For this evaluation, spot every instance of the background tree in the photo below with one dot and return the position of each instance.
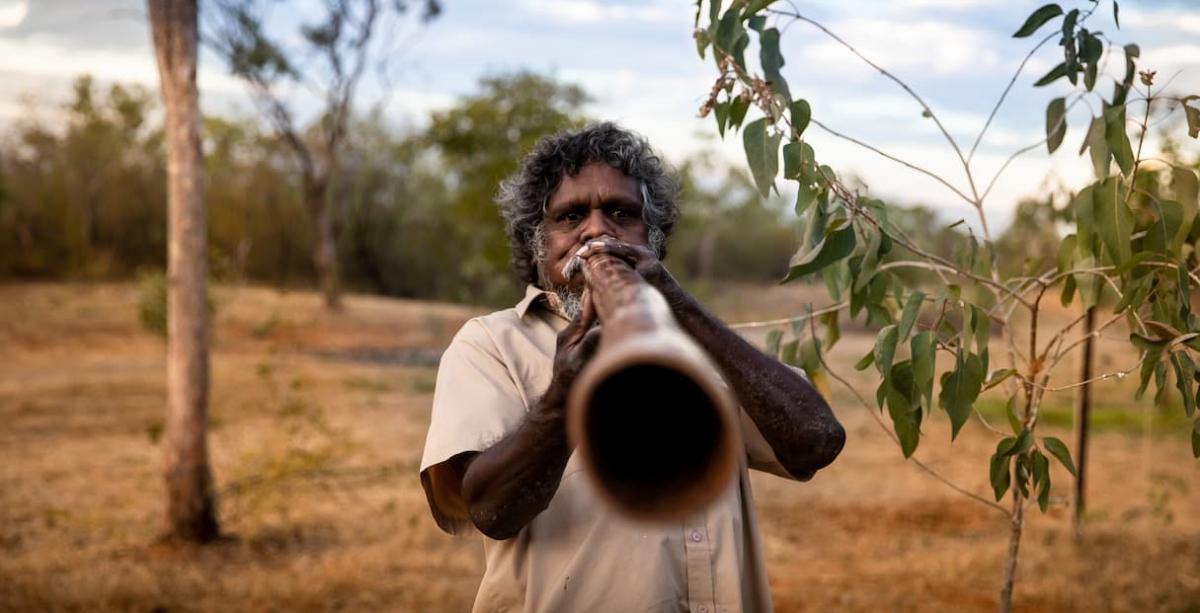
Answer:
(338, 49)
(1131, 248)
(480, 140)
(191, 514)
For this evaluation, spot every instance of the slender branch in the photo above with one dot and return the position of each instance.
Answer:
(746, 325)
(1004, 94)
(1137, 159)
(893, 158)
(1013, 80)
(921, 101)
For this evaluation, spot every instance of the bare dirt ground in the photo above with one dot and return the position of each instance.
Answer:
(318, 423)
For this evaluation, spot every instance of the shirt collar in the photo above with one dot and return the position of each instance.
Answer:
(532, 296)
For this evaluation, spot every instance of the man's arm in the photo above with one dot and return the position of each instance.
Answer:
(791, 415)
(508, 484)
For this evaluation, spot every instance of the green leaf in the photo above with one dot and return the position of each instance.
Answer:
(1185, 371)
(1117, 14)
(1196, 439)
(729, 29)
(1037, 19)
(865, 362)
(1160, 236)
(756, 6)
(1068, 28)
(960, 389)
(924, 356)
(1118, 139)
(1184, 185)
(1000, 475)
(773, 339)
(810, 356)
(902, 408)
(772, 61)
(1056, 123)
(1023, 443)
(721, 114)
(805, 196)
(1060, 451)
(798, 158)
(832, 330)
(997, 377)
(1193, 116)
(737, 111)
(789, 354)
(835, 246)
(1100, 153)
(762, 153)
(1010, 413)
(1040, 467)
(885, 349)
(1114, 220)
(908, 317)
(1084, 207)
(801, 114)
(1066, 253)
(1055, 73)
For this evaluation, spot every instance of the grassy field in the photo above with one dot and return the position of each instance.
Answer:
(318, 423)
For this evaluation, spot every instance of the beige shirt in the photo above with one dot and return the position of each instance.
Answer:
(577, 555)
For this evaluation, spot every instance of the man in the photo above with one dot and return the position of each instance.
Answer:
(497, 455)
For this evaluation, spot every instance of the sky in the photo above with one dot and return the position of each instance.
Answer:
(638, 61)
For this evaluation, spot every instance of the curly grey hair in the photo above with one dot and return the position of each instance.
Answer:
(524, 195)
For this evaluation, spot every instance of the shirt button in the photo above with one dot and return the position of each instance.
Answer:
(696, 536)
(701, 608)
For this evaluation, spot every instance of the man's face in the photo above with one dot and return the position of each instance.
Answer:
(598, 201)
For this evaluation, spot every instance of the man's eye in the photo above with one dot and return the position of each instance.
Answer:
(572, 217)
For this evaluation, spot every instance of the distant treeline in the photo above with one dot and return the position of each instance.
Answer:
(83, 196)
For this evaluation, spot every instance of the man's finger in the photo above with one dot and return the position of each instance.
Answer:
(630, 253)
(587, 347)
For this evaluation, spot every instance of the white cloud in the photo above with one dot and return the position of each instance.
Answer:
(592, 11)
(1134, 16)
(939, 47)
(13, 12)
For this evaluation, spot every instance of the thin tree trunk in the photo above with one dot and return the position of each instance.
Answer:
(1014, 547)
(1082, 416)
(191, 514)
(316, 195)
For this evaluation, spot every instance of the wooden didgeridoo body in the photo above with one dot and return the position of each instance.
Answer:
(654, 425)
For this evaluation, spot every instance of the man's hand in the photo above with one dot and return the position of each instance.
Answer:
(644, 261)
(575, 347)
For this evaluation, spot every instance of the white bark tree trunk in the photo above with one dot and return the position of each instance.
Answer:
(191, 514)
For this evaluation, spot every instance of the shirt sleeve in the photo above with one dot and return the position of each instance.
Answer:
(759, 454)
(476, 402)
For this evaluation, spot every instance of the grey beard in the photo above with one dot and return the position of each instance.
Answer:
(570, 304)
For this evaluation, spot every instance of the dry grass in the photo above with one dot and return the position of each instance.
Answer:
(318, 426)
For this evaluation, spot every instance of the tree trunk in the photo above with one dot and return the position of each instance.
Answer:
(191, 514)
(1082, 415)
(316, 196)
(1016, 526)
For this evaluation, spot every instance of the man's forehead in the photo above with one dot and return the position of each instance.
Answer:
(596, 181)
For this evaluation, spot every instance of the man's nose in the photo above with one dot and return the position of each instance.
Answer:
(595, 226)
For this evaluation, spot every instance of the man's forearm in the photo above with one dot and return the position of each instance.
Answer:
(791, 415)
(508, 484)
